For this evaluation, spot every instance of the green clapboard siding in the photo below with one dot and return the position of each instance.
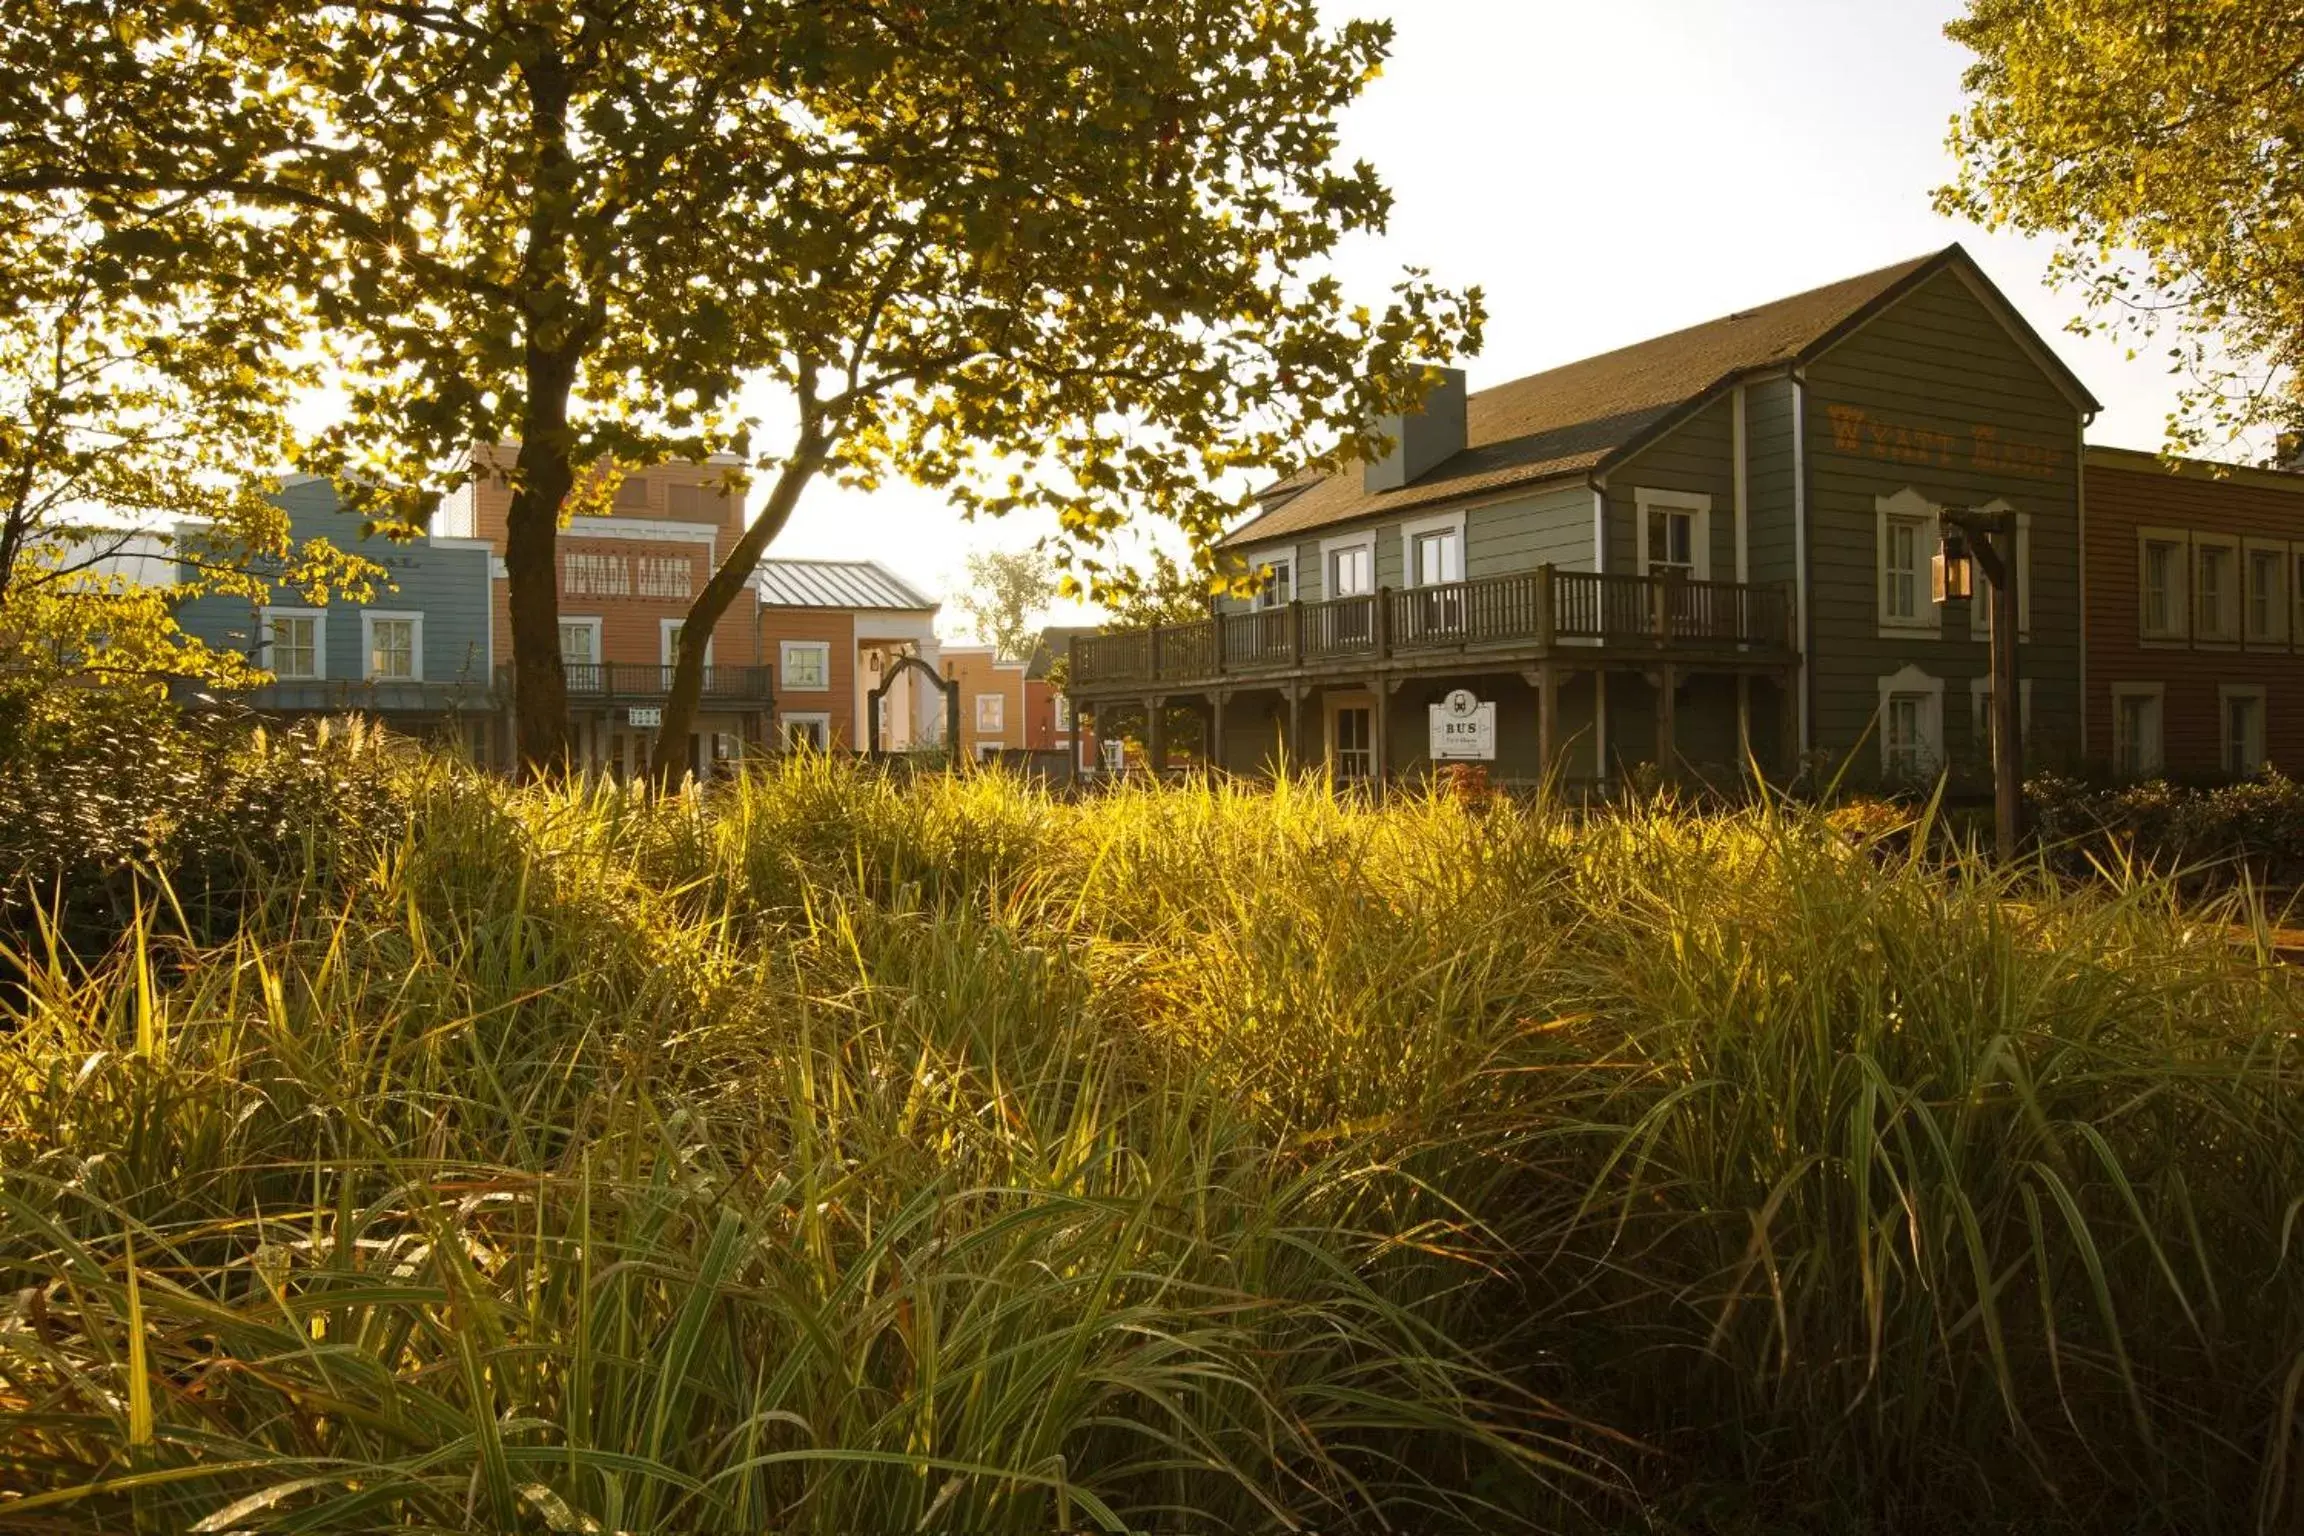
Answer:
(1769, 471)
(1925, 375)
(1696, 456)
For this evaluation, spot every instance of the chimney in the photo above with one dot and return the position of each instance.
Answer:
(1420, 442)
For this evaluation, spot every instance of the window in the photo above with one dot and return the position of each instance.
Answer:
(1279, 590)
(1352, 570)
(1063, 712)
(1674, 533)
(1980, 609)
(295, 644)
(807, 733)
(2216, 588)
(2267, 594)
(1432, 553)
(2240, 706)
(631, 494)
(1353, 741)
(579, 642)
(1437, 562)
(991, 712)
(805, 666)
(986, 751)
(2136, 750)
(394, 645)
(1980, 693)
(670, 631)
(2161, 563)
(1908, 533)
(1911, 724)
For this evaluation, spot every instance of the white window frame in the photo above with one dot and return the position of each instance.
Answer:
(2178, 629)
(2227, 636)
(1279, 563)
(1062, 707)
(1911, 680)
(591, 624)
(1699, 507)
(1980, 713)
(1331, 548)
(1338, 703)
(2296, 594)
(784, 652)
(987, 750)
(1450, 523)
(1981, 603)
(1927, 617)
(2274, 638)
(665, 630)
(369, 619)
(999, 722)
(2225, 694)
(319, 618)
(821, 720)
(2148, 764)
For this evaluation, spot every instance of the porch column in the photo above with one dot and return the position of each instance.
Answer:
(1547, 719)
(1788, 722)
(1156, 735)
(1381, 687)
(1743, 723)
(1216, 758)
(1297, 761)
(1667, 719)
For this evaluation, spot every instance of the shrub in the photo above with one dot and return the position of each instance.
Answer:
(2209, 837)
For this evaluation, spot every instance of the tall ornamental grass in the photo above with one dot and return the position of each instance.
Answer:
(828, 1153)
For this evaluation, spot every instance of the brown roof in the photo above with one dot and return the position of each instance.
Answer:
(1580, 417)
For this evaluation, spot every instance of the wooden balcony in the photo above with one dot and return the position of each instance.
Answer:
(619, 680)
(1546, 613)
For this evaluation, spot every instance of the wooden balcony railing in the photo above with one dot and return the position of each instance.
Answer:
(1542, 610)
(638, 680)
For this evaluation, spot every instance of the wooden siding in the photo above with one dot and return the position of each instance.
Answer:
(836, 628)
(1769, 426)
(2250, 506)
(1547, 527)
(447, 584)
(1945, 401)
(1697, 457)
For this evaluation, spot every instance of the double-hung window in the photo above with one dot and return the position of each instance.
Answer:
(1279, 589)
(1352, 570)
(1433, 552)
(2216, 588)
(1907, 529)
(2136, 750)
(2162, 566)
(1904, 731)
(394, 647)
(2240, 707)
(991, 712)
(806, 666)
(2266, 600)
(293, 645)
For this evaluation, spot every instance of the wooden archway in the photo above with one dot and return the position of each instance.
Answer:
(949, 687)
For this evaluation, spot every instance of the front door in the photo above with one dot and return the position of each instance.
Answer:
(1352, 737)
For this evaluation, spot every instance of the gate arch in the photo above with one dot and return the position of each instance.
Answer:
(949, 687)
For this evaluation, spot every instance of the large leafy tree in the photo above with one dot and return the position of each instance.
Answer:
(1009, 589)
(2161, 142)
(136, 397)
(1044, 255)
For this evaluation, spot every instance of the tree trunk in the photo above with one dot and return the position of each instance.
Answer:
(543, 478)
(671, 753)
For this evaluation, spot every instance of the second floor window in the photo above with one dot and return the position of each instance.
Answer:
(391, 649)
(1063, 713)
(295, 646)
(2214, 564)
(1671, 542)
(991, 712)
(2163, 588)
(579, 644)
(1900, 569)
(1352, 571)
(2267, 601)
(807, 665)
(1438, 561)
(1279, 589)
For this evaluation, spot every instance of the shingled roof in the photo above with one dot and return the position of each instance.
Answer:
(1579, 418)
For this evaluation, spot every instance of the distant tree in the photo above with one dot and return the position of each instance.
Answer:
(1164, 590)
(134, 396)
(2162, 143)
(1009, 590)
(1064, 258)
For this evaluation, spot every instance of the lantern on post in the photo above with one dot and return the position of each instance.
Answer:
(1988, 539)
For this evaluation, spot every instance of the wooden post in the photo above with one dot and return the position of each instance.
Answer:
(1659, 620)
(1667, 719)
(1382, 720)
(1296, 631)
(1216, 757)
(1216, 641)
(1297, 759)
(1383, 601)
(2007, 707)
(1156, 735)
(1546, 619)
(1788, 721)
(1744, 723)
(1547, 715)
(1152, 644)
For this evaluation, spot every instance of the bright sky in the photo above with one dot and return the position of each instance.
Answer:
(1609, 172)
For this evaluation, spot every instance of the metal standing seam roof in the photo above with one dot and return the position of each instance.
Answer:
(836, 584)
(1584, 415)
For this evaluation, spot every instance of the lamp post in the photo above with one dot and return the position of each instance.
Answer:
(1988, 539)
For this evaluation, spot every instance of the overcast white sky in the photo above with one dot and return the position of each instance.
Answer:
(1608, 172)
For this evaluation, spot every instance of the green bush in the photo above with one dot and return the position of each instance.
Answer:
(830, 1152)
(2208, 837)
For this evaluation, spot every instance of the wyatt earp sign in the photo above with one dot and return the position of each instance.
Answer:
(1463, 727)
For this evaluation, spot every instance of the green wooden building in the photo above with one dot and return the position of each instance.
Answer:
(1702, 550)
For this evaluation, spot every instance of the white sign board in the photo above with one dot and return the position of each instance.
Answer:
(1463, 727)
(644, 717)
